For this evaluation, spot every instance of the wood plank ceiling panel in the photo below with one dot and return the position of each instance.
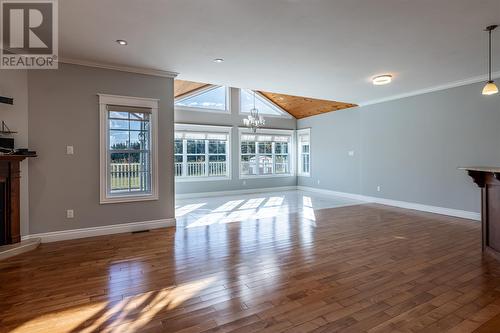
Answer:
(182, 87)
(302, 107)
(297, 106)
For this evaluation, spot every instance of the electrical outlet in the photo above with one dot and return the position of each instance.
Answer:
(244, 182)
(69, 150)
(318, 181)
(378, 188)
(70, 214)
(351, 153)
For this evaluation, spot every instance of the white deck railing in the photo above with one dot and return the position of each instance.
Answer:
(122, 172)
(198, 169)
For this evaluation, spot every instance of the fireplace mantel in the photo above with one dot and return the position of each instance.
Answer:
(14, 158)
(10, 231)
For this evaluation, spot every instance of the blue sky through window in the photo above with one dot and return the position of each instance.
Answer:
(213, 99)
(264, 106)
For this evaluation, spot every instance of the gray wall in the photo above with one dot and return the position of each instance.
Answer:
(333, 136)
(64, 111)
(235, 120)
(14, 83)
(409, 147)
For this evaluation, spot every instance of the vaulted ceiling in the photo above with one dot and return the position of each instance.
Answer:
(297, 106)
(326, 49)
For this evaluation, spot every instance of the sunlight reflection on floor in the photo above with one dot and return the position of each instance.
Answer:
(250, 207)
(92, 317)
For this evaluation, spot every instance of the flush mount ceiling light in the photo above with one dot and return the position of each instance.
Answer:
(122, 42)
(490, 88)
(218, 60)
(382, 79)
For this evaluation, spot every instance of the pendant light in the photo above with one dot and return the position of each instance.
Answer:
(490, 88)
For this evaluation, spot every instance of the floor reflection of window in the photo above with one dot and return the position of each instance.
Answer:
(187, 209)
(256, 208)
(253, 203)
(274, 201)
(306, 201)
(228, 206)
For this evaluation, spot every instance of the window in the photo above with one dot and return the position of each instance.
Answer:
(211, 98)
(304, 152)
(128, 149)
(265, 106)
(266, 153)
(281, 157)
(201, 152)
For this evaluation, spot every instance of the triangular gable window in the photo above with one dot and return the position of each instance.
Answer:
(212, 98)
(265, 106)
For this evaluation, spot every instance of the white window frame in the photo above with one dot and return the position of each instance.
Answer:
(300, 172)
(291, 150)
(208, 129)
(105, 197)
(227, 110)
(266, 100)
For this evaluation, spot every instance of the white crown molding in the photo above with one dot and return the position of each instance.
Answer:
(137, 70)
(401, 204)
(454, 84)
(55, 236)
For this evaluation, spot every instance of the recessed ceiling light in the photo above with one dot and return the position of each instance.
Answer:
(382, 79)
(121, 42)
(218, 60)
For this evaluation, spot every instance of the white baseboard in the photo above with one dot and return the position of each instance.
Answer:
(402, 204)
(234, 192)
(389, 202)
(11, 250)
(55, 236)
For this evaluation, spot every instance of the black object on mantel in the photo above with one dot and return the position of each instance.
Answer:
(24, 152)
(6, 100)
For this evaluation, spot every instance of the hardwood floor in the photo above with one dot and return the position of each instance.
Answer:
(365, 268)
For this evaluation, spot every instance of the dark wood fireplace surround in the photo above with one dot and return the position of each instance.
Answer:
(10, 198)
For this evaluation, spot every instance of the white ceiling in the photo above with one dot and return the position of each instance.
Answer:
(317, 48)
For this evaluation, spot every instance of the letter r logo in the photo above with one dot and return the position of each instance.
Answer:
(27, 27)
(17, 27)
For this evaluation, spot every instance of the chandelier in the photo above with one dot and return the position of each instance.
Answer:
(254, 120)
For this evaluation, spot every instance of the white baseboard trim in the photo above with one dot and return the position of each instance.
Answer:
(11, 250)
(402, 204)
(55, 236)
(234, 192)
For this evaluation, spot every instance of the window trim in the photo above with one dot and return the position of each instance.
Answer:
(291, 154)
(284, 115)
(208, 129)
(104, 100)
(227, 110)
(300, 132)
